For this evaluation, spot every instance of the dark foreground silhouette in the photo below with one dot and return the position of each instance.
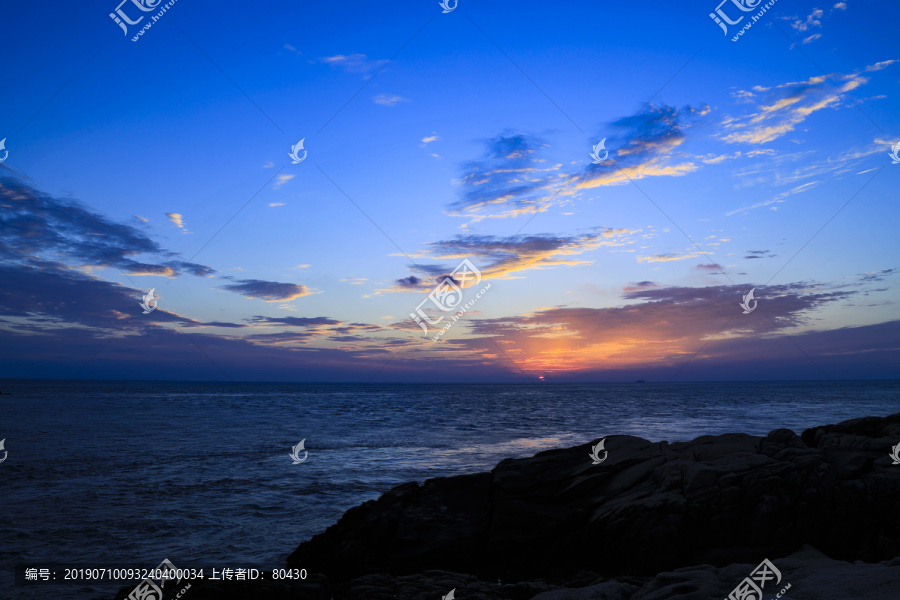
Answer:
(653, 521)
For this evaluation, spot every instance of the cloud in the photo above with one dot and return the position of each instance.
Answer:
(77, 309)
(177, 219)
(268, 291)
(355, 280)
(219, 324)
(44, 231)
(812, 20)
(802, 173)
(501, 257)
(496, 256)
(322, 328)
(657, 327)
(515, 176)
(777, 199)
(293, 321)
(788, 105)
(512, 178)
(354, 63)
(645, 148)
(411, 283)
(667, 257)
(879, 66)
(637, 287)
(388, 99)
(280, 180)
(50, 315)
(430, 138)
(292, 49)
(273, 204)
(878, 275)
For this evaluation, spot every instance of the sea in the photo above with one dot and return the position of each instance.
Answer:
(131, 473)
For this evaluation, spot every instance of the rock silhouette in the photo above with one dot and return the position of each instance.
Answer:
(650, 507)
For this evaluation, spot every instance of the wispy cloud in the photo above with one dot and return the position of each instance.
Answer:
(280, 180)
(879, 66)
(667, 257)
(780, 109)
(354, 63)
(751, 254)
(389, 99)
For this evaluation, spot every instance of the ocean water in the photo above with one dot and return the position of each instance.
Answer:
(135, 472)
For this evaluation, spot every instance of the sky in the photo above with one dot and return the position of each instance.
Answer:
(619, 176)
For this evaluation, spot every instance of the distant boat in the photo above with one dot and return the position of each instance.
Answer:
(640, 381)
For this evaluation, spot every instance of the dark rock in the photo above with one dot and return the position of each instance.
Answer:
(807, 574)
(649, 507)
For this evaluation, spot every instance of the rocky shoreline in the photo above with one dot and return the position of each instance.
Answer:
(654, 520)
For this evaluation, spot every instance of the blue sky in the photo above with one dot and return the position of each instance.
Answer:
(163, 163)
